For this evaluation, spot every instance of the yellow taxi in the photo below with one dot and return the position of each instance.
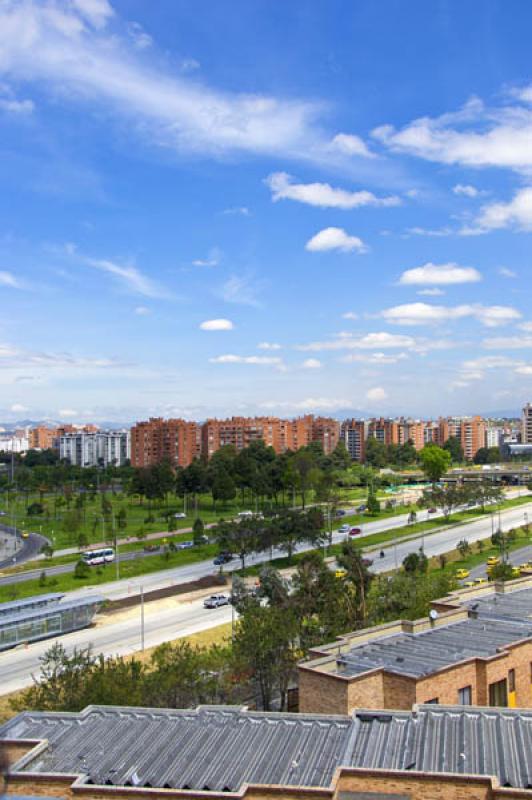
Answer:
(492, 561)
(469, 584)
(340, 573)
(461, 574)
(478, 581)
(516, 572)
(25, 534)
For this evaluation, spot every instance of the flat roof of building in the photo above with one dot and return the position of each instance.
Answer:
(222, 748)
(509, 605)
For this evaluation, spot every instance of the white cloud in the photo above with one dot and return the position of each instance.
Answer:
(190, 65)
(465, 189)
(370, 341)
(309, 404)
(67, 412)
(526, 326)
(351, 145)
(425, 314)
(474, 136)
(507, 273)
(508, 343)
(17, 408)
(96, 12)
(489, 362)
(431, 292)
(439, 275)
(350, 315)
(212, 260)
(323, 195)
(517, 213)
(259, 360)
(140, 38)
(269, 346)
(9, 280)
(130, 277)
(311, 363)
(12, 356)
(375, 359)
(142, 311)
(431, 232)
(217, 325)
(14, 106)
(74, 51)
(376, 394)
(526, 369)
(335, 239)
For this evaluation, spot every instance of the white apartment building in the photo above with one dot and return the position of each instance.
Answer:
(14, 444)
(494, 436)
(92, 449)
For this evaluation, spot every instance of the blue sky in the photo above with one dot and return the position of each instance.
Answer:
(264, 207)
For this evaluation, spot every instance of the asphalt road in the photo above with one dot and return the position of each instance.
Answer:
(15, 549)
(123, 636)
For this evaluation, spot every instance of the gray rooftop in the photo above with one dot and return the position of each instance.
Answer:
(426, 652)
(515, 605)
(31, 613)
(221, 748)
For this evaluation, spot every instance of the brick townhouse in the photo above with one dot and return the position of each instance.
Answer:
(476, 650)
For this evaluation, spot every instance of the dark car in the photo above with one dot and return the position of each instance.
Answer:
(362, 508)
(340, 513)
(432, 511)
(223, 558)
(355, 531)
(367, 562)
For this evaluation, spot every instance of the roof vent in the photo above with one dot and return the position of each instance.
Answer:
(399, 659)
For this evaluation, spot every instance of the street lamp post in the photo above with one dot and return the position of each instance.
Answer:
(142, 618)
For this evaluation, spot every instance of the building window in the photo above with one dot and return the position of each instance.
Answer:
(511, 680)
(498, 693)
(435, 700)
(465, 696)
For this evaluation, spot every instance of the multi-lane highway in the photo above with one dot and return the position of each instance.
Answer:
(182, 618)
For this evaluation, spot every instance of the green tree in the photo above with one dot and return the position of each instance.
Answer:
(198, 531)
(463, 547)
(435, 461)
(376, 454)
(454, 448)
(223, 487)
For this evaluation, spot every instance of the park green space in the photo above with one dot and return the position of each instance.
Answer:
(66, 526)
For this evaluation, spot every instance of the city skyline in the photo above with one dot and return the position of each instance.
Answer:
(264, 210)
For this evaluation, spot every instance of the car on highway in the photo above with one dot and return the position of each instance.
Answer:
(215, 601)
(479, 581)
(184, 545)
(340, 573)
(355, 531)
(244, 514)
(223, 558)
(524, 569)
(432, 511)
(492, 561)
(180, 515)
(25, 535)
(516, 572)
(462, 573)
(345, 528)
(3, 513)
(469, 584)
(362, 508)
(340, 512)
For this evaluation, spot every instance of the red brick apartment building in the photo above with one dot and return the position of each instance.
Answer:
(181, 442)
(173, 440)
(43, 438)
(476, 650)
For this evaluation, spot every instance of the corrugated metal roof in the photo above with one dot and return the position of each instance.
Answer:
(32, 614)
(419, 654)
(37, 601)
(515, 605)
(220, 748)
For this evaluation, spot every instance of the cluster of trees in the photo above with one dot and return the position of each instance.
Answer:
(451, 497)
(404, 455)
(277, 625)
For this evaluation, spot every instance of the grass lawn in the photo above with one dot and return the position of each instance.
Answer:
(64, 524)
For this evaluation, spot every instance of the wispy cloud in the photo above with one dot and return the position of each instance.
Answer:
(426, 314)
(241, 289)
(83, 49)
(439, 275)
(130, 277)
(10, 281)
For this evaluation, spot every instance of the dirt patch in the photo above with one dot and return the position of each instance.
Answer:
(207, 582)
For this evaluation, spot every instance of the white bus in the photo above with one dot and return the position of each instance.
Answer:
(96, 557)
